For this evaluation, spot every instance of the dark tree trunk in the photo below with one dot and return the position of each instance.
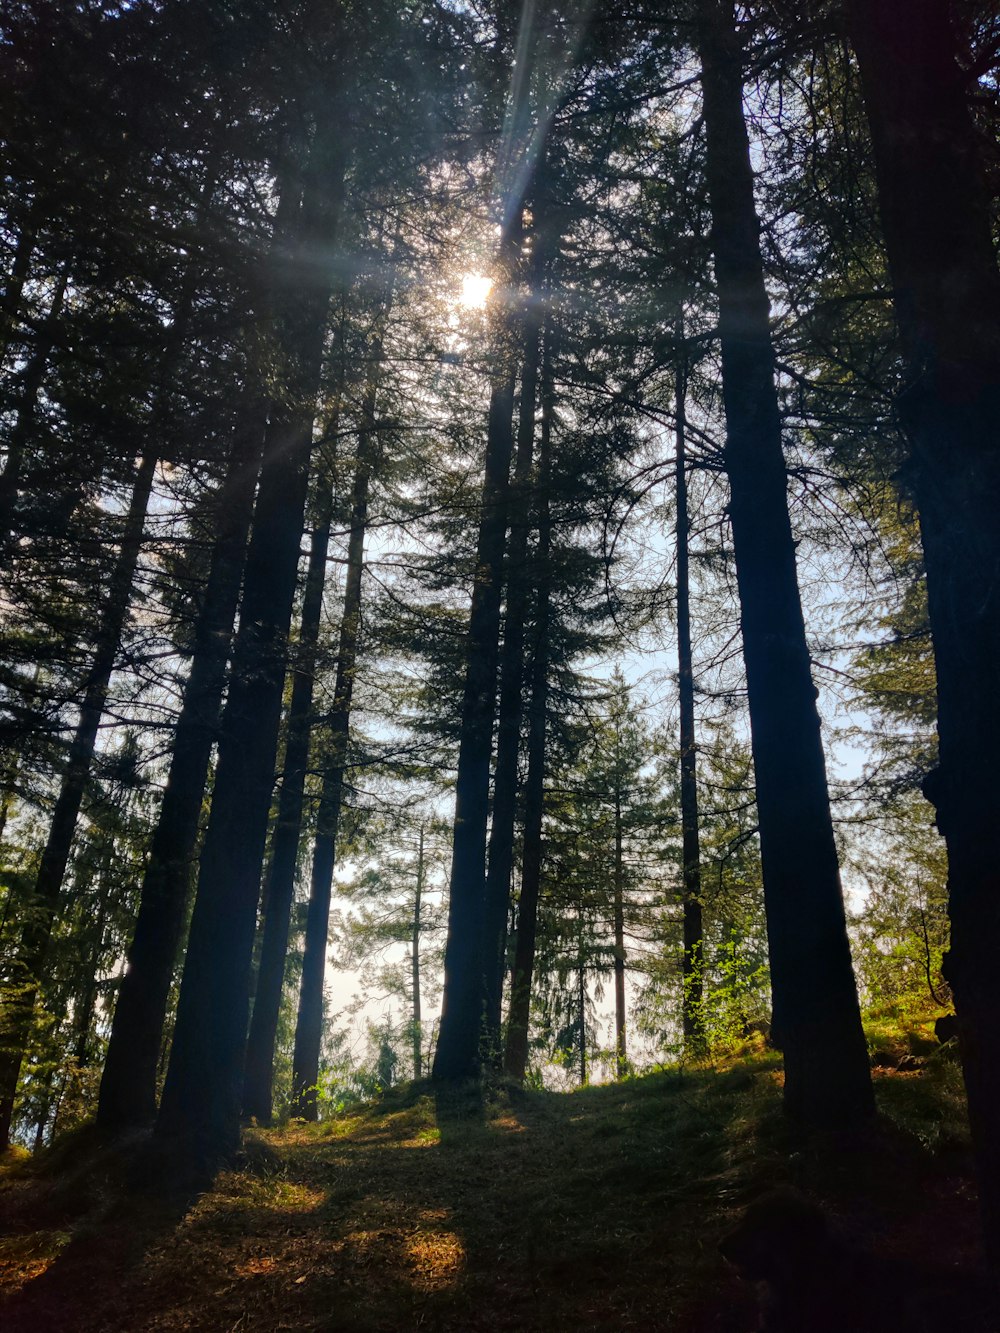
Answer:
(6, 801)
(10, 304)
(132, 1067)
(11, 772)
(621, 1054)
(415, 962)
(48, 884)
(56, 854)
(41, 1124)
(581, 1000)
(816, 1013)
(280, 884)
(937, 226)
(309, 1021)
(202, 1096)
(86, 1001)
(458, 1047)
(692, 970)
(501, 844)
(519, 1013)
(128, 1084)
(32, 378)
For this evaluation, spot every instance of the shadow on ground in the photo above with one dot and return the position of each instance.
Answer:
(484, 1207)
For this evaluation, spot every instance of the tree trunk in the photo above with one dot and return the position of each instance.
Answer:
(581, 999)
(621, 1056)
(135, 1050)
(86, 1000)
(519, 1014)
(8, 793)
(10, 304)
(6, 802)
(280, 885)
(693, 961)
(48, 884)
(128, 1084)
(937, 226)
(202, 1095)
(309, 1022)
(31, 385)
(501, 845)
(415, 962)
(458, 1047)
(816, 1014)
(41, 1124)
(57, 850)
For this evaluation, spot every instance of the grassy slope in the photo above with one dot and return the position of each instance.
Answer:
(489, 1210)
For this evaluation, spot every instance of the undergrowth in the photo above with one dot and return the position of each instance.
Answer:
(488, 1207)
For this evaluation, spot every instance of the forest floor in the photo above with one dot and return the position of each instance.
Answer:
(489, 1209)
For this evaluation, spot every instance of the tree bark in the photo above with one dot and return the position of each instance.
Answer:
(581, 1000)
(501, 843)
(128, 1084)
(31, 385)
(693, 960)
(134, 1057)
(57, 850)
(41, 1124)
(621, 1054)
(309, 1021)
(816, 1013)
(458, 1051)
(202, 1096)
(519, 1013)
(86, 1000)
(10, 305)
(937, 226)
(415, 962)
(280, 885)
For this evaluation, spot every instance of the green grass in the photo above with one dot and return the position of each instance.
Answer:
(491, 1208)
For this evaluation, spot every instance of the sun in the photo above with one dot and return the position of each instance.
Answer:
(475, 290)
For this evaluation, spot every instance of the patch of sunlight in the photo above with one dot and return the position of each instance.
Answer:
(348, 1132)
(259, 1266)
(244, 1191)
(476, 288)
(342, 1127)
(13, 1159)
(508, 1123)
(424, 1138)
(292, 1195)
(437, 1257)
(23, 1258)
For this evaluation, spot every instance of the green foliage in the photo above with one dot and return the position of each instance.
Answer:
(736, 987)
(901, 933)
(610, 834)
(348, 1081)
(400, 861)
(736, 997)
(60, 1077)
(893, 673)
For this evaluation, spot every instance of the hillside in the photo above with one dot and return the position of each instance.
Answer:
(487, 1210)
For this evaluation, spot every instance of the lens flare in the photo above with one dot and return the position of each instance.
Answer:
(475, 289)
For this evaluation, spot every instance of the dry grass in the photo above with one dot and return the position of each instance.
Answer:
(491, 1209)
